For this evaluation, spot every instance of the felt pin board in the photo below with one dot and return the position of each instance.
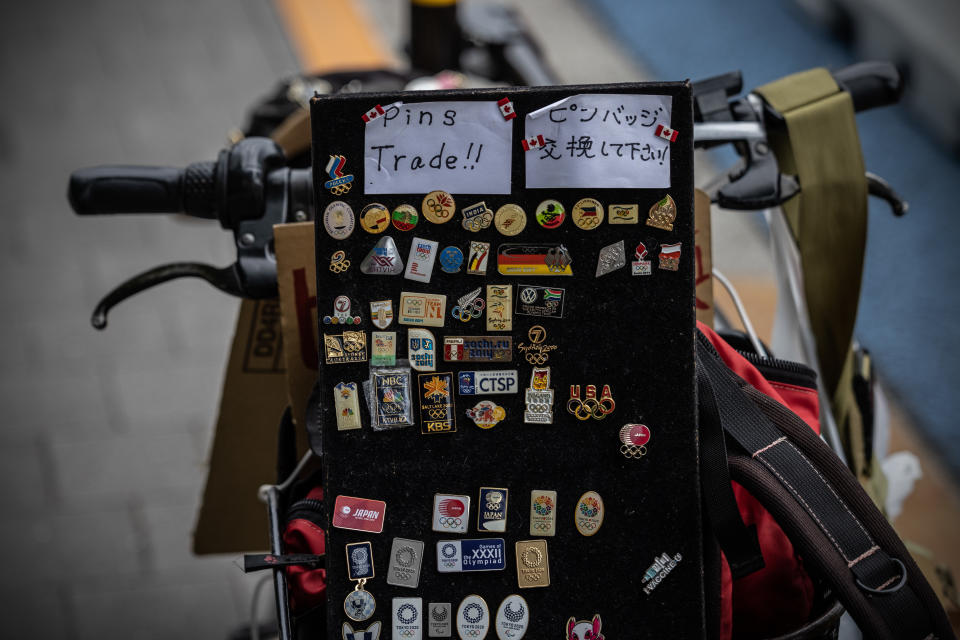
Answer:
(633, 333)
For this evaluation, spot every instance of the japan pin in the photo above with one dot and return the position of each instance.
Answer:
(406, 557)
(451, 513)
(440, 623)
(370, 633)
(408, 618)
(383, 259)
(588, 516)
(473, 618)
(513, 617)
(612, 257)
(533, 564)
(338, 220)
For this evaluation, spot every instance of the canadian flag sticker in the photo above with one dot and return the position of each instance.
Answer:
(535, 142)
(666, 133)
(373, 114)
(506, 108)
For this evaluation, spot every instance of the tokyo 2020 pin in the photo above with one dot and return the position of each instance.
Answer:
(451, 513)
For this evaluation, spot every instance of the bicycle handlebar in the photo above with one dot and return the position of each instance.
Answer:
(115, 189)
(870, 84)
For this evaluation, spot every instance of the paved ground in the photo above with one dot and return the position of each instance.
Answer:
(103, 435)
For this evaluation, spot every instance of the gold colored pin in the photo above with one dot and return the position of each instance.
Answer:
(438, 207)
(499, 307)
(587, 214)
(510, 220)
(662, 214)
(374, 218)
(339, 262)
(533, 564)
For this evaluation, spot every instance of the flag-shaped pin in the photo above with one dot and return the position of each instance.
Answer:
(373, 114)
(666, 133)
(506, 108)
(533, 143)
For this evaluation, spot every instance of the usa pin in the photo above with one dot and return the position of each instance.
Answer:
(440, 624)
(450, 513)
(479, 256)
(670, 256)
(473, 618)
(347, 406)
(341, 312)
(392, 400)
(533, 564)
(383, 259)
(662, 214)
(499, 307)
(408, 618)
(588, 516)
(381, 313)
(359, 604)
(584, 629)
(338, 220)
(486, 414)
(421, 349)
(423, 254)
(543, 513)
(640, 266)
(513, 617)
(492, 510)
(370, 633)
(612, 257)
(383, 348)
(406, 557)
(451, 260)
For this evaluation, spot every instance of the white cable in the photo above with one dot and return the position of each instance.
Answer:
(742, 312)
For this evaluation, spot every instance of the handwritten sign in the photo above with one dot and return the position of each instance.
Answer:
(599, 141)
(460, 147)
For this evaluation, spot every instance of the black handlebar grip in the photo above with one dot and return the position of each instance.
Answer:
(135, 189)
(870, 84)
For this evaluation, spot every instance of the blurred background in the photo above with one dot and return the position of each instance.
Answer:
(104, 436)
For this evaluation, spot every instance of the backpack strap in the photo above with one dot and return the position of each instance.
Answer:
(822, 509)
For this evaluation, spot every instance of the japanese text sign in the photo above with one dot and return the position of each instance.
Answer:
(460, 147)
(599, 141)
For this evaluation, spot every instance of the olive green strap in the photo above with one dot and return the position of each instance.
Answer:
(829, 216)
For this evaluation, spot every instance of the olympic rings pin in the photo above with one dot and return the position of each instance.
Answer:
(634, 439)
(339, 262)
(589, 406)
(469, 307)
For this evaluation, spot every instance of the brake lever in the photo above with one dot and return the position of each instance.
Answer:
(226, 279)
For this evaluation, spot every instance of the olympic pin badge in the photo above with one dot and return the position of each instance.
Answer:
(451, 513)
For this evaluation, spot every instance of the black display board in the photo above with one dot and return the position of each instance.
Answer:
(635, 334)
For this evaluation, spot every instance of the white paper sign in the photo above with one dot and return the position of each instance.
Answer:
(599, 141)
(460, 147)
